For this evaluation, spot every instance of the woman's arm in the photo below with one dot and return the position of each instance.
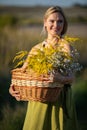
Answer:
(32, 52)
(63, 79)
(12, 91)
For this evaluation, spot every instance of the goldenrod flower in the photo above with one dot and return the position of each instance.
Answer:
(49, 60)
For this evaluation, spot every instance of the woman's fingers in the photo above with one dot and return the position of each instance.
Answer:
(17, 97)
(14, 93)
(11, 89)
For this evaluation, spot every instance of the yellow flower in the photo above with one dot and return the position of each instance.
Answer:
(47, 60)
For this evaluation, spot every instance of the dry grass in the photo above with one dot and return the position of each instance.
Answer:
(16, 39)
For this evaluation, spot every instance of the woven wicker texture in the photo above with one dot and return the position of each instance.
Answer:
(33, 87)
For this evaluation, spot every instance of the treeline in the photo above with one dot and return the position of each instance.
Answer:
(21, 16)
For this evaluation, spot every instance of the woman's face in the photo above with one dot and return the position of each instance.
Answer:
(54, 24)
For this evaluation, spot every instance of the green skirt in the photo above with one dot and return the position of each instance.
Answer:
(59, 115)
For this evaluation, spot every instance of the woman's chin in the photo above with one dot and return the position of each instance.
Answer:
(56, 33)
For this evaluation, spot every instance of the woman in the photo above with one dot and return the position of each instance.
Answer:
(59, 115)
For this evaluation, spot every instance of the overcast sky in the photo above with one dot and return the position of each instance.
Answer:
(42, 2)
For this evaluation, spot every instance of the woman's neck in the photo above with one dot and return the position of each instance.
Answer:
(52, 39)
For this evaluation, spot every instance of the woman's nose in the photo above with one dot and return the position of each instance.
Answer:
(56, 24)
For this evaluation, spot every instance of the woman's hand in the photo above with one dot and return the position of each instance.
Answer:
(14, 93)
(68, 79)
(57, 77)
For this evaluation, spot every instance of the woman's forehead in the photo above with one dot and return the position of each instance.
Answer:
(56, 15)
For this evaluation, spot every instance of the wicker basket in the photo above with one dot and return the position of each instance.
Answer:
(36, 88)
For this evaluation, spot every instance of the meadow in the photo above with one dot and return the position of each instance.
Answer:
(20, 29)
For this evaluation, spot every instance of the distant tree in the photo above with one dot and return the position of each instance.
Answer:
(80, 5)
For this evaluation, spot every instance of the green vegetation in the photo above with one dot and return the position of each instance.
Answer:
(7, 20)
(16, 35)
(78, 19)
(12, 118)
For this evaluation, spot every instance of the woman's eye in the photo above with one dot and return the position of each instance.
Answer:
(51, 21)
(60, 21)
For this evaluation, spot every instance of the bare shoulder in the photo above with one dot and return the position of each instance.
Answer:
(38, 46)
(35, 48)
(66, 45)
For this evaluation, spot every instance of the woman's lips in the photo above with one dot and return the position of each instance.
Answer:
(56, 29)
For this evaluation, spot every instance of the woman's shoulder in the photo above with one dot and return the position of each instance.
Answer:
(63, 41)
(36, 47)
(66, 45)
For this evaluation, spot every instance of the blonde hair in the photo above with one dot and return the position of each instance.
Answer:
(56, 9)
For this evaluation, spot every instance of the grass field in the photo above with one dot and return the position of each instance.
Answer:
(20, 29)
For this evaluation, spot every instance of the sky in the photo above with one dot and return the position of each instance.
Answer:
(42, 2)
